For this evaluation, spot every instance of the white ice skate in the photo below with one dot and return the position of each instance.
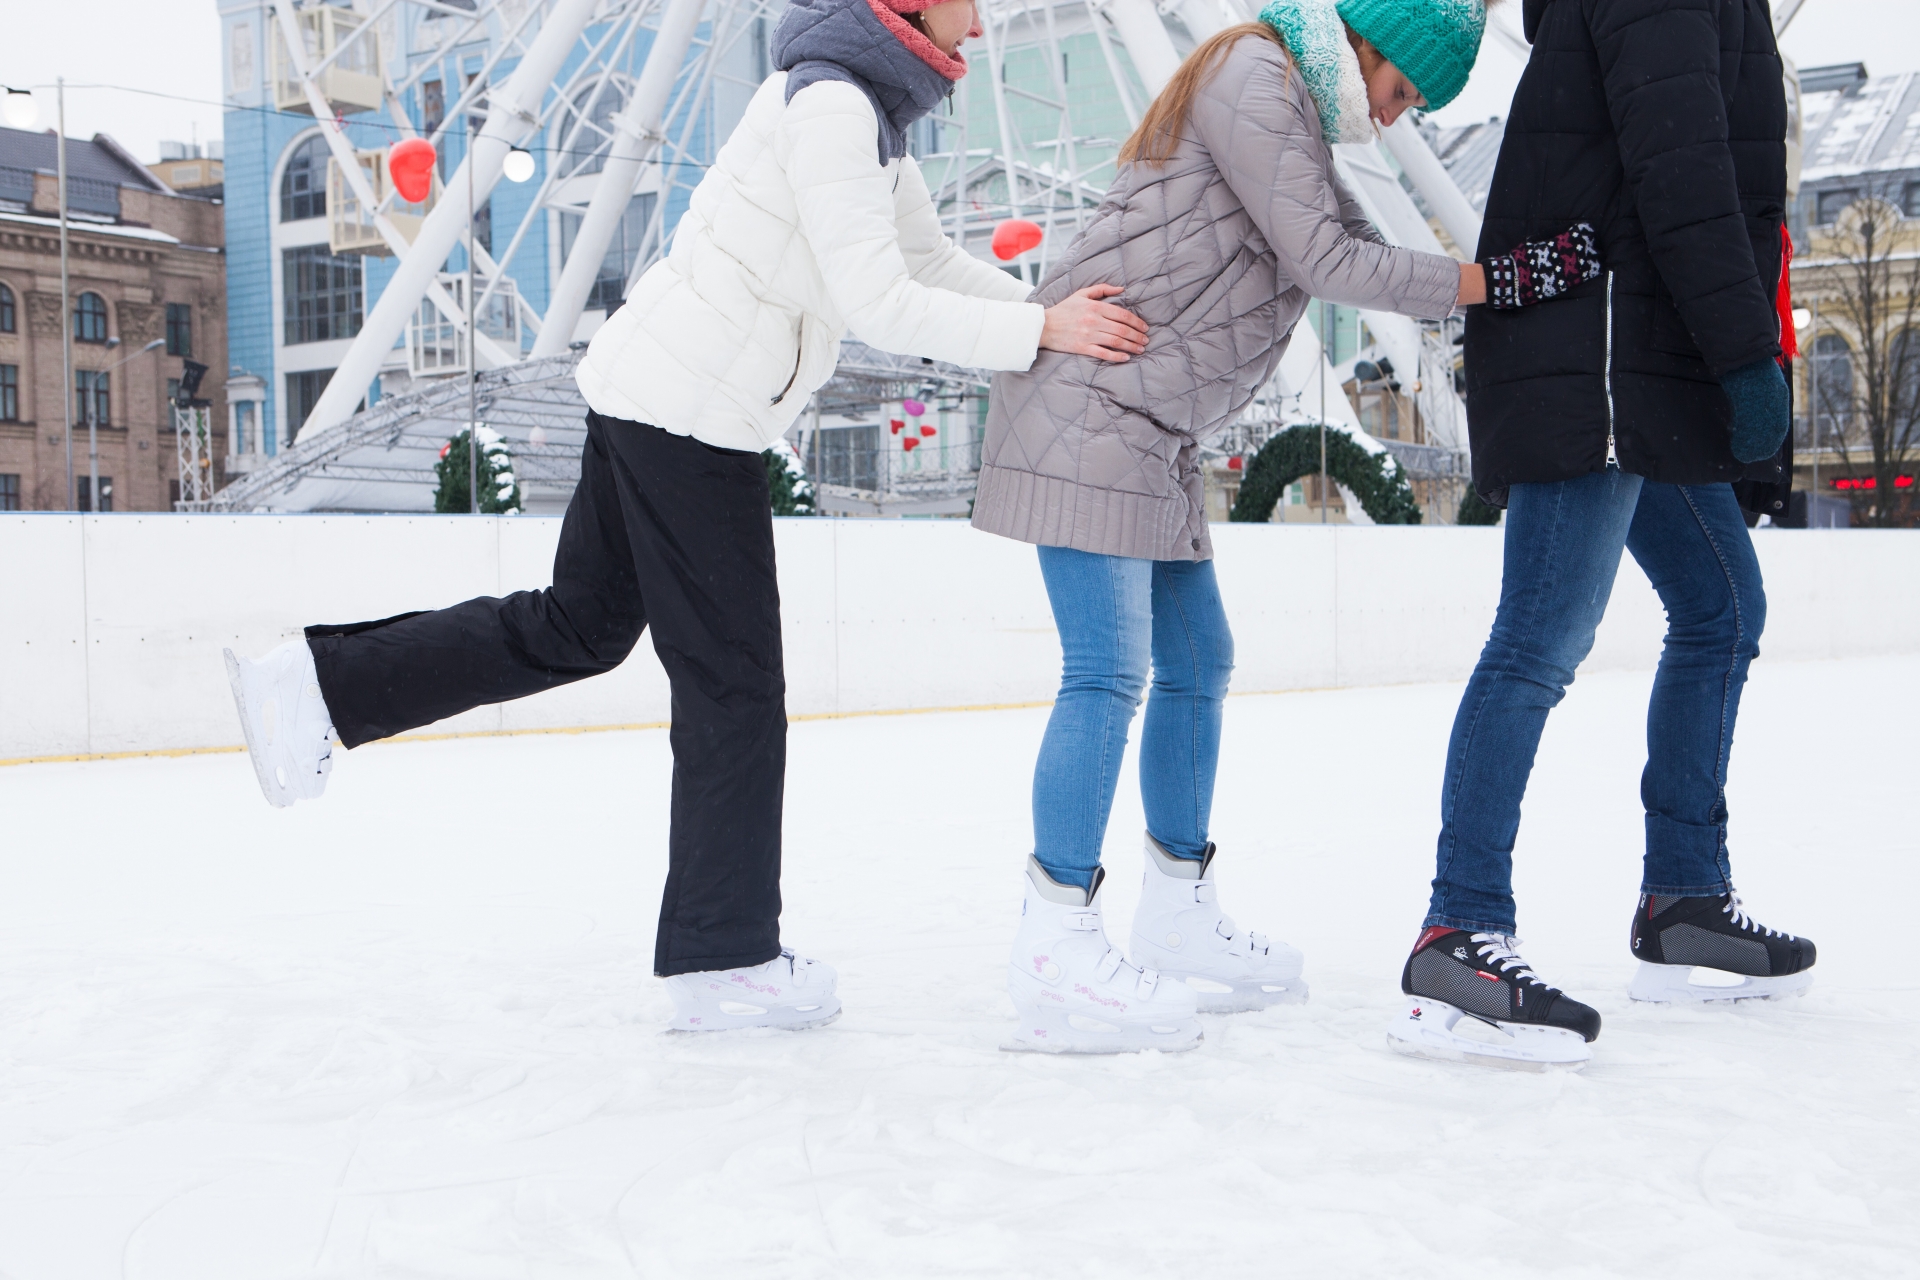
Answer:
(1181, 931)
(289, 733)
(788, 991)
(1073, 993)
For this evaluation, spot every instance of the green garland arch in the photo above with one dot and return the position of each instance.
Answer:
(1375, 479)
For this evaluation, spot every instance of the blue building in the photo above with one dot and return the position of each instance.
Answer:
(297, 295)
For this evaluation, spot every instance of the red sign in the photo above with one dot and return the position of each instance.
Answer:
(1848, 483)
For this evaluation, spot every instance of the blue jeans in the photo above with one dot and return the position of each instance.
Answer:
(1563, 546)
(1114, 615)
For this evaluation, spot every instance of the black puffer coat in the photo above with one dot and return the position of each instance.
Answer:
(1663, 123)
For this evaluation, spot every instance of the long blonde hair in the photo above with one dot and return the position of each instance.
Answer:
(1159, 130)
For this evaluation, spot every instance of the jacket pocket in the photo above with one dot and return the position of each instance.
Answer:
(799, 354)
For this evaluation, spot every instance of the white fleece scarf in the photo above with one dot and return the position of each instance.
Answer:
(1317, 39)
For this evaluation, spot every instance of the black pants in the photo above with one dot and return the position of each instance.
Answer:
(663, 531)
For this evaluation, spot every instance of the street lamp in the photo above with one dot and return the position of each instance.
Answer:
(93, 436)
(518, 166)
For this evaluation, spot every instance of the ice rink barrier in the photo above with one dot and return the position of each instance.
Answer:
(111, 626)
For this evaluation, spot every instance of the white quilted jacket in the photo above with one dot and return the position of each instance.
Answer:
(795, 238)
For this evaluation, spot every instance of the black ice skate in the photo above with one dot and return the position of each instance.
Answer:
(1521, 1022)
(1673, 935)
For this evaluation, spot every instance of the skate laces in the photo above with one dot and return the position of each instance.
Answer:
(1503, 951)
(1741, 920)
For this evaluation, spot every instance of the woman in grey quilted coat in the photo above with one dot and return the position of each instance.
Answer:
(1226, 216)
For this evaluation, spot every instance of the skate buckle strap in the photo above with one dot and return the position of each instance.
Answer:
(1203, 891)
(1109, 965)
(1084, 921)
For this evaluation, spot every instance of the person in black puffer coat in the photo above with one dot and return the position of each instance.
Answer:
(1619, 410)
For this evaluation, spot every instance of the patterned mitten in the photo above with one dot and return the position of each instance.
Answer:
(1540, 269)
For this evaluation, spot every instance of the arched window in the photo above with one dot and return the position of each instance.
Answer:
(90, 318)
(8, 320)
(1905, 378)
(590, 125)
(303, 186)
(1832, 384)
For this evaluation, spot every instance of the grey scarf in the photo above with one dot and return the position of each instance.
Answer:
(844, 40)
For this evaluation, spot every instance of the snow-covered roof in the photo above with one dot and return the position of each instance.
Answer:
(94, 228)
(1872, 128)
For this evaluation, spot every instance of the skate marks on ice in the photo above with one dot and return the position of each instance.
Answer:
(410, 1030)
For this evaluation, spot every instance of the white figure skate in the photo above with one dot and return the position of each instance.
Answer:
(289, 732)
(1675, 938)
(1073, 993)
(1471, 998)
(788, 991)
(1181, 931)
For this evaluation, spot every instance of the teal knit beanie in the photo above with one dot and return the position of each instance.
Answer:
(1433, 42)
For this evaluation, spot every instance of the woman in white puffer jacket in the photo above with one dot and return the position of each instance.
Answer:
(812, 223)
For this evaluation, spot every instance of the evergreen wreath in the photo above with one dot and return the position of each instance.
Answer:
(498, 487)
(1375, 478)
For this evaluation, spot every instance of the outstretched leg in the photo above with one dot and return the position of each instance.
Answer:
(385, 677)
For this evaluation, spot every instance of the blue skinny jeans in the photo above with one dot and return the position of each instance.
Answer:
(1116, 615)
(1563, 545)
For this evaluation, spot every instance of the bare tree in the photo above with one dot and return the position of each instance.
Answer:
(1866, 279)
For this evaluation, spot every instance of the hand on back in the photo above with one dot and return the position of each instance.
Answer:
(1082, 325)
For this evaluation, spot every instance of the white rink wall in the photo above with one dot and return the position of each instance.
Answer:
(111, 626)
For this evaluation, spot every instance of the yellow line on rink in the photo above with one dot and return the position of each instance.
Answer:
(176, 752)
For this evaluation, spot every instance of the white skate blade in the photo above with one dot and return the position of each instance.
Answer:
(1058, 1031)
(1668, 983)
(733, 1015)
(278, 797)
(1426, 1030)
(1239, 997)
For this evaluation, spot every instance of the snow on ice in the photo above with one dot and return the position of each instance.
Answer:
(410, 1030)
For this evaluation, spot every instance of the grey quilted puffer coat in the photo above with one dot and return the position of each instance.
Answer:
(1218, 251)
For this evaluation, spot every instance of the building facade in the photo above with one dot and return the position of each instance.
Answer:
(145, 265)
(1856, 285)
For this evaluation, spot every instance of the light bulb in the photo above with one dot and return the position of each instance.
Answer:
(20, 110)
(518, 166)
(1802, 317)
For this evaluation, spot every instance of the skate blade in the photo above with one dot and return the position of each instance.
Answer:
(236, 683)
(1426, 1030)
(1673, 983)
(714, 1016)
(1241, 997)
(1055, 1031)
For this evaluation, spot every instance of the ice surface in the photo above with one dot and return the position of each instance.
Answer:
(402, 1033)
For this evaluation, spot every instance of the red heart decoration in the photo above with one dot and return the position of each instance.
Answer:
(1234, 464)
(909, 442)
(926, 431)
(410, 165)
(1014, 237)
(896, 424)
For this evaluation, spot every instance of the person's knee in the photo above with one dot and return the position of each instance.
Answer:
(600, 630)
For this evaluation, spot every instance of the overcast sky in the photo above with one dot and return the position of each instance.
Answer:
(173, 46)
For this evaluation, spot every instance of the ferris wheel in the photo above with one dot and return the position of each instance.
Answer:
(608, 111)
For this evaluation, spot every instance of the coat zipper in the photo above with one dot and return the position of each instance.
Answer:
(799, 352)
(1613, 453)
